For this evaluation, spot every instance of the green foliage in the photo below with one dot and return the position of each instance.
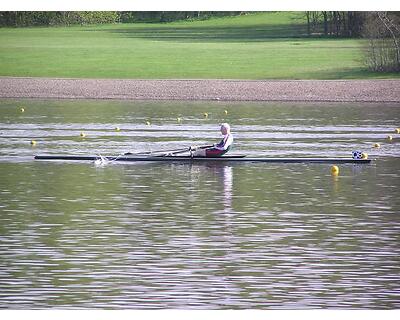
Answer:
(98, 17)
(54, 18)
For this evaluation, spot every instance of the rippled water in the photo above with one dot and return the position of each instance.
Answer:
(207, 236)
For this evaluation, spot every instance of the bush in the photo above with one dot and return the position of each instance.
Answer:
(97, 17)
(65, 18)
(54, 18)
(382, 29)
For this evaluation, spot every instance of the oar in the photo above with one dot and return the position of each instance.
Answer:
(156, 151)
(190, 148)
(173, 151)
(184, 150)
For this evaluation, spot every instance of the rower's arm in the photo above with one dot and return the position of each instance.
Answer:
(225, 143)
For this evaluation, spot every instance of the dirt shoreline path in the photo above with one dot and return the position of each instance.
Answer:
(219, 90)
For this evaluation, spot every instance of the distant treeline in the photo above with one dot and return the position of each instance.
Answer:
(335, 23)
(168, 16)
(65, 18)
(55, 18)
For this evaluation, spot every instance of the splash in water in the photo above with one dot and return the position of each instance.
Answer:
(101, 162)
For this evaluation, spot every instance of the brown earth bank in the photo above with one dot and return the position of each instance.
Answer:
(224, 90)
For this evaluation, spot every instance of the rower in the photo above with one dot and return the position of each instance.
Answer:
(217, 149)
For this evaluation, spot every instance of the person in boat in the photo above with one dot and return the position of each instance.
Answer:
(217, 149)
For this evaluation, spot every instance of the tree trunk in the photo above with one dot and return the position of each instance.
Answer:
(308, 23)
(325, 14)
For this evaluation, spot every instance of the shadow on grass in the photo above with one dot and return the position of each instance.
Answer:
(351, 73)
(254, 33)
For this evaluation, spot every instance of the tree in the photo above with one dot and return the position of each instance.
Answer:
(334, 23)
(382, 29)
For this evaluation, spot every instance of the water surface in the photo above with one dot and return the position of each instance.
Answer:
(206, 236)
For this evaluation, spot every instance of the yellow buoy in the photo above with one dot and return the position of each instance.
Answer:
(117, 129)
(226, 111)
(33, 143)
(22, 110)
(205, 114)
(397, 130)
(377, 145)
(148, 123)
(83, 134)
(390, 138)
(334, 170)
(364, 155)
(179, 119)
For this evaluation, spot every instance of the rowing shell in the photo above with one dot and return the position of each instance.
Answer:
(239, 158)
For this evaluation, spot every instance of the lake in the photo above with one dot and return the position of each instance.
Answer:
(198, 236)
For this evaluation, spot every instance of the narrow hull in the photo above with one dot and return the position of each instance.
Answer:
(201, 159)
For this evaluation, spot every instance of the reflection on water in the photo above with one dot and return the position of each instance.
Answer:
(207, 236)
(226, 175)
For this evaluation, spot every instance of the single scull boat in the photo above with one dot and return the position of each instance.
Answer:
(232, 158)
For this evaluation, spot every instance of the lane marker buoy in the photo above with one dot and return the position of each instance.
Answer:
(364, 155)
(33, 143)
(226, 111)
(117, 129)
(148, 123)
(390, 138)
(397, 130)
(205, 114)
(83, 134)
(22, 110)
(334, 170)
(377, 145)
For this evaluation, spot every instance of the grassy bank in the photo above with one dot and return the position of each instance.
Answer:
(255, 46)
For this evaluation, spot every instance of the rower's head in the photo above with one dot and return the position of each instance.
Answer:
(225, 128)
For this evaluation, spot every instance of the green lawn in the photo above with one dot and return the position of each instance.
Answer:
(255, 46)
